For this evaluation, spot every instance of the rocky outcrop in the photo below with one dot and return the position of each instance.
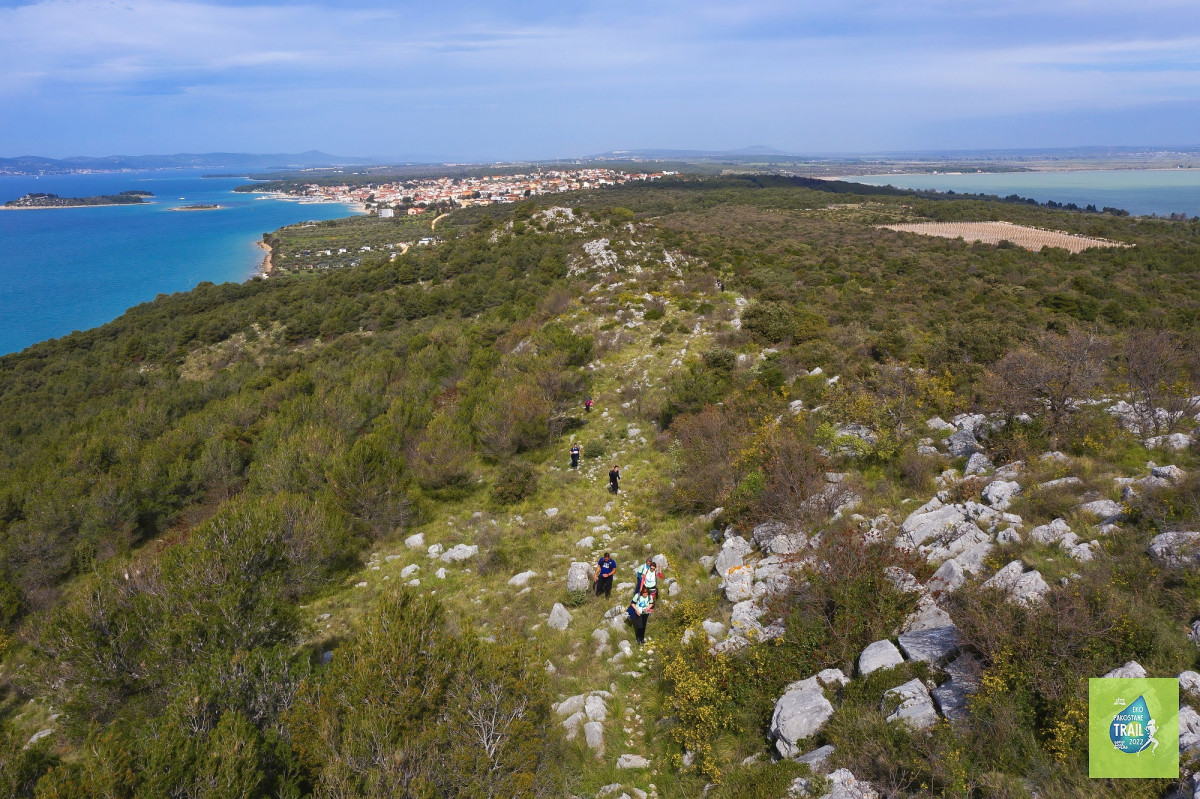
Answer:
(912, 705)
(999, 493)
(799, 714)
(1022, 587)
(1176, 549)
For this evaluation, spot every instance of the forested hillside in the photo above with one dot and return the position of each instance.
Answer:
(317, 535)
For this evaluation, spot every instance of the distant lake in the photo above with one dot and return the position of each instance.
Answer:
(65, 269)
(1139, 191)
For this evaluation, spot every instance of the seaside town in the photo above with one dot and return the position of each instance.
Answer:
(417, 196)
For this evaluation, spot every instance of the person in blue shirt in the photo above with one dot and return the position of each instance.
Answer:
(606, 567)
(575, 455)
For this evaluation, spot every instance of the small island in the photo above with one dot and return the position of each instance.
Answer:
(43, 200)
(197, 207)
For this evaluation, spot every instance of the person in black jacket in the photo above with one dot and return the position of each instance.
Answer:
(614, 479)
(575, 455)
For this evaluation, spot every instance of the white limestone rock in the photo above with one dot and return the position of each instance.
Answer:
(727, 559)
(632, 761)
(579, 577)
(416, 541)
(1131, 670)
(913, 705)
(560, 617)
(1062, 482)
(522, 579)
(1022, 587)
(926, 616)
(593, 734)
(949, 577)
(1050, 534)
(1103, 508)
(879, 655)
(1176, 549)
(739, 583)
(999, 493)
(1174, 442)
(922, 525)
(978, 464)
(962, 444)
(595, 708)
(934, 645)
(1189, 682)
(835, 677)
(460, 552)
(799, 714)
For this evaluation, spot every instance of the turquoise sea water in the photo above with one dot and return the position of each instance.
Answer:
(66, 269)
(1138, 191)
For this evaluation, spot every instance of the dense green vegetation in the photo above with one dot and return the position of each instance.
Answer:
(43, 200)
(188, 491)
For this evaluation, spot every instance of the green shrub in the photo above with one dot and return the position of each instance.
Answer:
(594, 449)
(515, 481)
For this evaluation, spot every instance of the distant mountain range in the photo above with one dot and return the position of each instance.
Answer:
(35, 165)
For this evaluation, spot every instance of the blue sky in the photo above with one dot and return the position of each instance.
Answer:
(482, 80)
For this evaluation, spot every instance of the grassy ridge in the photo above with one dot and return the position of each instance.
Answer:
(192, 495)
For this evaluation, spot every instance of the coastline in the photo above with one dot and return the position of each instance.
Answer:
(267, 267)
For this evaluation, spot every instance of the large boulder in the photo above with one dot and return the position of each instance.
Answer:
(727, 559)
(879, 655)
(935, 645)
(951, 696)
(579, 577)
(913, 705)
(799, 714)
(1176, 549)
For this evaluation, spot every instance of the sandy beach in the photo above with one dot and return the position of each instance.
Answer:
(266, 268)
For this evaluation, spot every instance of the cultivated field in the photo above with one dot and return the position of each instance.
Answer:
(1030, 238)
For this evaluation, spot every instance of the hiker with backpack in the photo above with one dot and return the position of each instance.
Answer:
(614, 479)
(575, 455)
(606, 567)
(587, 405)
(639, 613)
(648, 575)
